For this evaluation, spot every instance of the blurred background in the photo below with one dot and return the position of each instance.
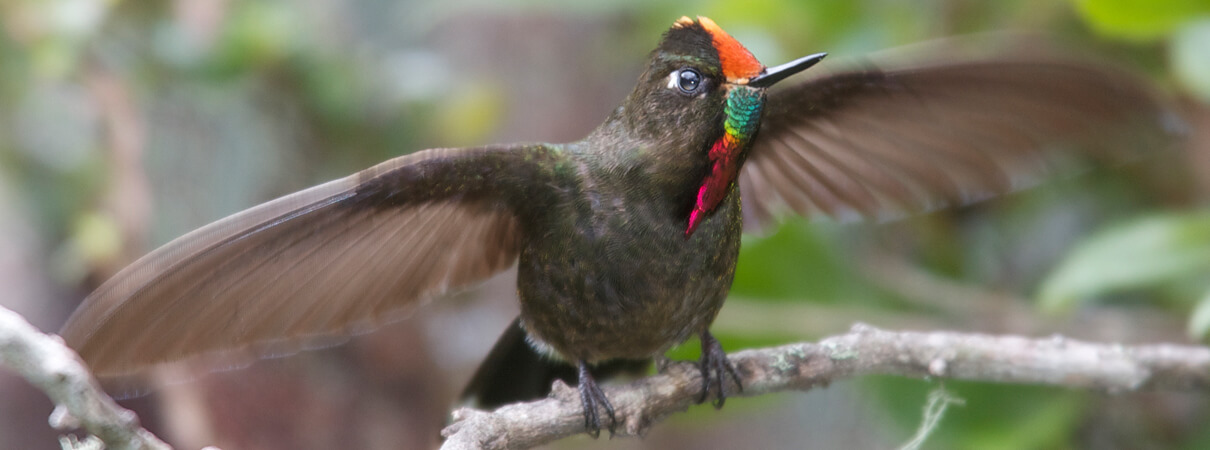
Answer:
(126, 124)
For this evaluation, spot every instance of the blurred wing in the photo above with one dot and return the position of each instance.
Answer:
(330, 260)
(885, 143)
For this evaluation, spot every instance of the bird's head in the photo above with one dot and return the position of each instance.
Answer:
(701, 76)
(704, 92)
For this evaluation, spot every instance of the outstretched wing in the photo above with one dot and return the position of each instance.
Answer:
(882, 143)
(329, 260)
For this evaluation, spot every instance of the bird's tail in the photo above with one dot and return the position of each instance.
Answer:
(514, 372)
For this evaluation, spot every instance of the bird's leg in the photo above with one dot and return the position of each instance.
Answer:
(592, 399)
(662, 363)
(715, 367)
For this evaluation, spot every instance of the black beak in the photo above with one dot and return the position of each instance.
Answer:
(774, 74)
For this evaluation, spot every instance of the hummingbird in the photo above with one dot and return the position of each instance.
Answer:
(626, 241)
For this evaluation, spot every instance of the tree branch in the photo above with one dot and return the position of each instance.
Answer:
(50, 365)
(863, 351)
(54, 368)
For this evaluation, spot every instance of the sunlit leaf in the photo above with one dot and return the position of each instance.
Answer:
(1190, 54)
(470, 114)
(1130, 256)
(1139, 19)
(98, 237)
(1199, 320)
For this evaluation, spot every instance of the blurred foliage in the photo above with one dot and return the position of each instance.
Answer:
(1022, 416)
(815, 271)
(1168, 252)
(1186, 23)
(1150, 251)
(1190, 62)
(239, 101)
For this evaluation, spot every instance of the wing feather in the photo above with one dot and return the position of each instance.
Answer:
(885, 142)
(327, 261)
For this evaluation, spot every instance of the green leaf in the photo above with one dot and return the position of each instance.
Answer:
(1139, 19)
(1130, 256)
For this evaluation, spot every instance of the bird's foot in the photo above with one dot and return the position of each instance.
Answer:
(662, 363)
(715, 368)
(593, 401)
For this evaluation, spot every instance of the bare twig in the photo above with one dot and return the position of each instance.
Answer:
(863, 351)
(54, 368)
(938, 402)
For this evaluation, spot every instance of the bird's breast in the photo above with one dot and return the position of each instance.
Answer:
(609, 273)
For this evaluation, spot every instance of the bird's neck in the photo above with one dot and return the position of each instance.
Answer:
(670, 159)
(728, 152)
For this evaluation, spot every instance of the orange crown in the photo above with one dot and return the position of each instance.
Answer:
(737, 61)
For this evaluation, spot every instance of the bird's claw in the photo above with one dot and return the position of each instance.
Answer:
(593, 400)
(715, 367)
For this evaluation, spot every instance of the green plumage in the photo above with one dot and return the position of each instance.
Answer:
(744, 107)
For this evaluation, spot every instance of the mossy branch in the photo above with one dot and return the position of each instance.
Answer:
(865, 350)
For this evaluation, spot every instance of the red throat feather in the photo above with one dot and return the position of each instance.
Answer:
(743, 111)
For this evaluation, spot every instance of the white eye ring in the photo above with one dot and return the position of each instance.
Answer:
(688, 81)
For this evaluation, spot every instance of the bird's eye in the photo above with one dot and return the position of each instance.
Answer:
(689, 80)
